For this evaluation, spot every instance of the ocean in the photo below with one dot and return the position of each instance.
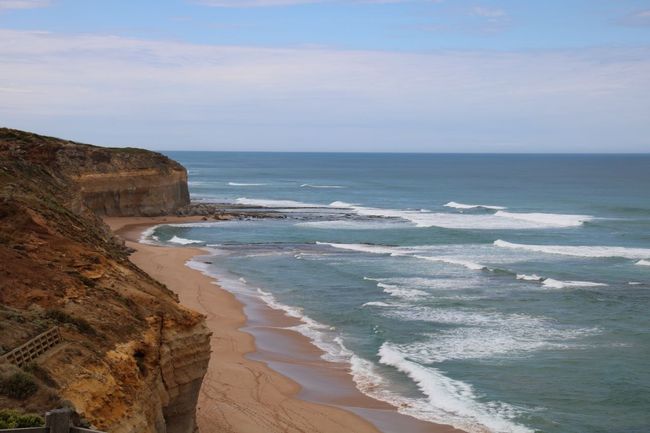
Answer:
(507, 293)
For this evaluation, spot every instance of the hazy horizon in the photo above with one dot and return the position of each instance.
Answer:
(396, 76)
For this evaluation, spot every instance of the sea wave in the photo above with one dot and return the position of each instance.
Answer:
(501, 220)
(401, 292)
(246, 184)
(308, 185)
(416, 252)
(348, 225)
(455, 406)
(332, 346)
(276, 203)
(557, 284)
(468, 264)
(533, 277)
(643, 263)
(552, 283)
(368, 248)
(505, 336)
(456, 205)
(548, 219)
(148, 237)
(406, 252)
(580, 251)
(452, 401)
(183, 241)
(480, 335)
(376, 304)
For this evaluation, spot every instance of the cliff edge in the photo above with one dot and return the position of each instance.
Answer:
(132, 358)
(111, 181)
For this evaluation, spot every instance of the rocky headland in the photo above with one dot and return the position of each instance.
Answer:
(132, 357)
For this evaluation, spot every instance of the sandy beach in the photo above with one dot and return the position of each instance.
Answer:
(261, 377)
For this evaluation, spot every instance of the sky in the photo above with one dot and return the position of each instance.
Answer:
(330, 75)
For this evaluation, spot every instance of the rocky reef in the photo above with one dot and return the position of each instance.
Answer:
(132, 358)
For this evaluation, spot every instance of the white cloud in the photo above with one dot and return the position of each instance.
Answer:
(116, 90)
(638, 18)
(488, 12)
(23, 4)
(269, 3)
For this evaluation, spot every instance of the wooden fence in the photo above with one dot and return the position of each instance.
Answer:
(35, 347)
(56, 421)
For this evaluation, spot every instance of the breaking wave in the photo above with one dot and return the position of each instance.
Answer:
(580, 251)
(456, 205)
(183, 241)
(308, 185)
(276, 203)
(246, 184)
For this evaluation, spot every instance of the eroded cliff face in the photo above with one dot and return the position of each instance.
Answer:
(133, 358)
(113, 182)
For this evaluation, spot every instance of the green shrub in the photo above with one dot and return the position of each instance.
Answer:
(14, 419)
(18, 385)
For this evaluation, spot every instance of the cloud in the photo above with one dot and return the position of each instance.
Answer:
(486, 12)
(637, 19)
(23, 4)
(269, 3)
(124, 91)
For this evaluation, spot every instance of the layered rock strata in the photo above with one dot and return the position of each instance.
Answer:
(133, 358)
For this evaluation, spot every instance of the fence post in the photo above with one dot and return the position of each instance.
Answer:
(58, 420)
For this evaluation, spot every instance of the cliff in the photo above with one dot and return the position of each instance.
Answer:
(133, 358)
(111, 181)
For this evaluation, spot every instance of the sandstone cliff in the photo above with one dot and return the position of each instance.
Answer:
(112, 182)
(133, 358)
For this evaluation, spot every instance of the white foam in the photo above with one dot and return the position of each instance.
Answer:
(308, 185)
(366, 248)
(456, 205)
(376, 304)
(347, 225)
(147, 237)
(469, 265)
(580, 251)
(533, 277)
(246, 184)
(401, 292)
(547, 219)
(556, 284)
(452, 401)
(406, 252)
(276, 203)
(484, 335)
(643, 263)
(183, 241)
(320, 334)
(501, 220)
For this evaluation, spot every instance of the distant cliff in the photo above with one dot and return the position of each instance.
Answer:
(133, 358)
(112, 181)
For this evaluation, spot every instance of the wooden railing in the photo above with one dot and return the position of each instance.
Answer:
(56, 421)
(35, 347)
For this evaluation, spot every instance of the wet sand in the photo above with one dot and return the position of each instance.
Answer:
(261, 377)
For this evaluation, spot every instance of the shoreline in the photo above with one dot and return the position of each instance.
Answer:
(262, 377)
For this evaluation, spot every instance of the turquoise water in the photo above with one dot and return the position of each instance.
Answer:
(529, 312)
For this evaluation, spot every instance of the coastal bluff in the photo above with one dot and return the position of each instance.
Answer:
(131, 358)
(111, 181)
